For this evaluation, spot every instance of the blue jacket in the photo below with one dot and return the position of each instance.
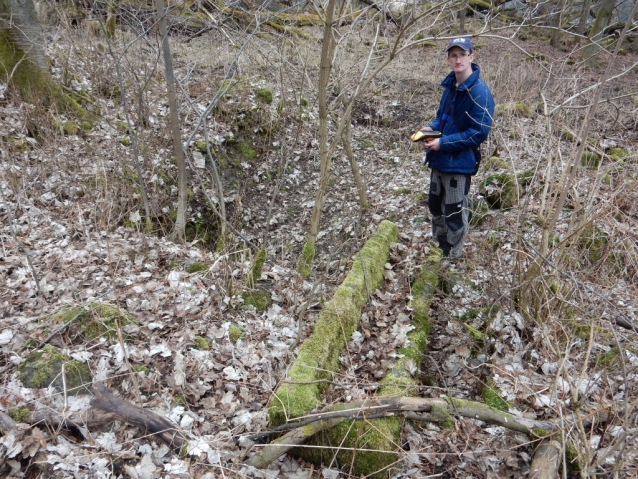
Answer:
(472, 109)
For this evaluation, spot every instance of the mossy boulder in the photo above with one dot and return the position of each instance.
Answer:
(49, 366)
(501, 190)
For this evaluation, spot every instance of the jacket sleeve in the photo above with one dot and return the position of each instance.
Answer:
(480, 113)
(436, 124)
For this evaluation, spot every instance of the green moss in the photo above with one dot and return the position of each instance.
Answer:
(617, 154)
(86, 125)
(97, 320)
(538, 432)
(516, 109)
(141, 369)
(590, 160)
(256, 269)
(201, 343)
(423, 289)
(608, 358)
(479, 212)
(264, 95)
(319, 354)
(443, 416)
(494, 163)
(525, 178)
(70, 128)
(571, 459)
(593, 240)
(501, 190)
(34, 84)
(234, 333)
(259, 299)
(20, 414)
(201, 146)
(121, 126)
(196, 267)
(247, 151)
(492, 398)
(126, 141)
(475, 333)
(43, 368)
(402, 191)
(364, 144)
(361, 445)
(307, 256)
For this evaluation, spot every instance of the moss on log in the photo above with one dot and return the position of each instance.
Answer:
(319, 354)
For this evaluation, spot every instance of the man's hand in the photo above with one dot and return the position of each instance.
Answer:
(434, 144)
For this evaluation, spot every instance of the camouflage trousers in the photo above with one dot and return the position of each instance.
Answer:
(449, 205)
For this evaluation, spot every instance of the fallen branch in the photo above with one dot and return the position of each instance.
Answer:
(418, 409)
(105, 408)
(547, 459)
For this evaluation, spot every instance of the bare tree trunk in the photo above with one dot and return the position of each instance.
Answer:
(307, 255)
(557, 22)
(180, 222)
(347, 143)
(462, 15)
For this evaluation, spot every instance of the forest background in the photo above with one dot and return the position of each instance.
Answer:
(185, 186)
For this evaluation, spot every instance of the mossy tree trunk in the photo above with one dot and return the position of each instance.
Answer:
(23, 64)
(584, 16)
(596, 33)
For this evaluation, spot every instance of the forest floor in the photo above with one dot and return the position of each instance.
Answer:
(198, 355)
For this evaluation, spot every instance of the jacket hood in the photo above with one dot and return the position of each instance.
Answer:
(448, 81)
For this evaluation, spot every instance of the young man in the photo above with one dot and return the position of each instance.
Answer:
(464, 118)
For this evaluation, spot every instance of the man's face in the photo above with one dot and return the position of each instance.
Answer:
(459, 60)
